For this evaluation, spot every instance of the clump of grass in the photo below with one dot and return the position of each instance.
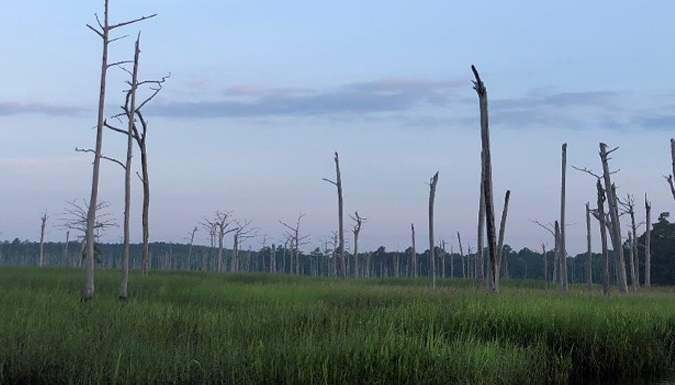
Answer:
(186, 328)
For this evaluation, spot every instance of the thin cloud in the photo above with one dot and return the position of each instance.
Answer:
(15, 108)
(387, 95)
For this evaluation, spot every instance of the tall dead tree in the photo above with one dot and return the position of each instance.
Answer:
(105, 28)
(219, 226)
(356, 230)
(43, 223)
(338, 184)
(432, 196)
(669, 178)
(74, 217)
(545, 262)
(648, 243)
(486, 162)
(589, 254)
(615, 233)
(602, 219)
(554, 230)
(559, 256)
(562, 249)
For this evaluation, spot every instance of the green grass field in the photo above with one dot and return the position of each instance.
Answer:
(190, 328)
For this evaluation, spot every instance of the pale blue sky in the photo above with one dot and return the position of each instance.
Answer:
(263, 92)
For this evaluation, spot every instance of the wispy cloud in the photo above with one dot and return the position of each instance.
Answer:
(15, 108)
(385, 95)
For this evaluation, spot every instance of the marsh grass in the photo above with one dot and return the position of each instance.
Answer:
(187, 328)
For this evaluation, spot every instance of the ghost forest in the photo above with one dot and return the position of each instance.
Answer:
(182, 313)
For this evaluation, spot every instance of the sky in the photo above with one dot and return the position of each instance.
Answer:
(262, 93)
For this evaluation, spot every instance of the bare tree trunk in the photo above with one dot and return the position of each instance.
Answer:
(65, 249)
(631, 261)
(432, 256)
(559, 256)
(479, 260)
(356, 230)
(589, 260)
(487, 177)
(543, 253)
(338, 184)
(131, 115)
(43, 223)
(273, 259)
(413, 255)
(104, 33)
(461, 254)
(603, 238)
(192, 241)
(500, 245)
(615, 234)
(669, 178)
(563, 251)
(648, 242)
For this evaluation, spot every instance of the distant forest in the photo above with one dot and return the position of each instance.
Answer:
(523, 264)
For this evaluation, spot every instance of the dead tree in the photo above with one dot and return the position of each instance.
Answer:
(338, 184)
(241, 232)
(432, 196)
(296, 240)
(559, 256)
(500, 245)
(648, 243)
(74, 217)
(43, 223)
(669, 178)
(461, 254)
(602, 219)
(589, 255)
(413, 253)
(219, 226)
(555, 232)
(479, 259)
(615, 233)
(543, 254)
(628, 207)
(192, 241)
(562, 249)
(486, 168)
(104, 33)
(356, 230)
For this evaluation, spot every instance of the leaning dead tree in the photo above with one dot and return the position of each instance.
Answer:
(43, 223)
(494, 280)
(338, 184)
(669, 178)
(192, 241)
(486, 171)
(356, 230)
(432, 257)
(461, 254)
(104, 30)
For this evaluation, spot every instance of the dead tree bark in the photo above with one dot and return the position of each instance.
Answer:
(500, 245)
(543, 254)
(192, 241)
(273, 259)
(341, 234)
(629, 208)
(413, 253)
(293, 234)
(479, 260)
(432, 257)
(356, 230)
(563, 251)
(43, 223)
(487, 175)
(602, 217)
(589, 255)
(615, 234)
(648, 242)
(104, 34)
(559, 256)
(461, 254)
(65, 249)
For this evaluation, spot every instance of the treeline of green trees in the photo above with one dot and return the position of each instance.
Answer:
(523, 264)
